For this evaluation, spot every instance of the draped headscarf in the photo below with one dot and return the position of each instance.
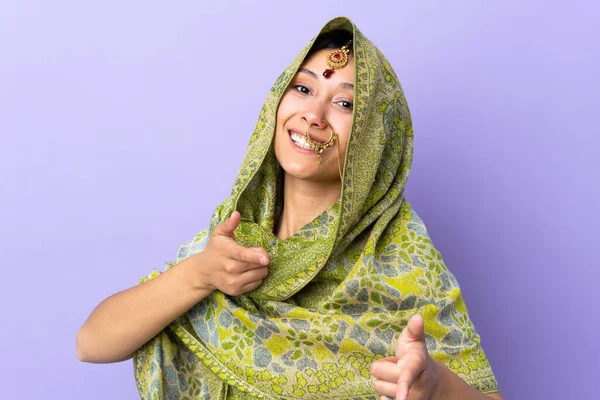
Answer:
(339, 291)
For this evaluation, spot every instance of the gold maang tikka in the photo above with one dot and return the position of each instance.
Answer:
(337, 59)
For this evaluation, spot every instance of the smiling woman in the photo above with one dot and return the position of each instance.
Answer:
(314, 116)
(315, 276)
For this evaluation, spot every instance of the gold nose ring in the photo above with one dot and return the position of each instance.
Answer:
(320, 147)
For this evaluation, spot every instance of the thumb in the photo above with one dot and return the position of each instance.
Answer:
(227, 227)
(413, 332)
(415, 329)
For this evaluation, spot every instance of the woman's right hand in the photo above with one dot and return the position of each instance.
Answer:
(226, 265)
(126, 320)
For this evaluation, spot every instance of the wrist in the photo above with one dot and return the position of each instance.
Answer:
(440, 388)
(449, 386)
(189, 271)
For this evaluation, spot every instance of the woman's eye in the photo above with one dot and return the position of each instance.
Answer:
(346, 104)
(302, 89)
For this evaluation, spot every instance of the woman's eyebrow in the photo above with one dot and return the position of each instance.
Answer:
(309, 72)
(343, 85)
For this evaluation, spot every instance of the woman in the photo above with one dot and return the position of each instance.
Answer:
(316, 279)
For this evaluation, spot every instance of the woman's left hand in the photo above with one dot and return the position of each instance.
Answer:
(412, 374)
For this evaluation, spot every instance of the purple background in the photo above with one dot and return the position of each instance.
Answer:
(123, 125)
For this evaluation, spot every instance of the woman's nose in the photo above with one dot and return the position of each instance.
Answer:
(314, 118)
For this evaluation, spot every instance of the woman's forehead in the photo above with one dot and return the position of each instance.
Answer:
(317, 64)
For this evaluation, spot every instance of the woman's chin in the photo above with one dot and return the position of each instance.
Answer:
(305, 167)
(310, 173)
(303, 171)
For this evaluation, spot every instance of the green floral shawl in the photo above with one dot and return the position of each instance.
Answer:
(339, 291)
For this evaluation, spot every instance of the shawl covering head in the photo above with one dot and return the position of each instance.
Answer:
(339, 291)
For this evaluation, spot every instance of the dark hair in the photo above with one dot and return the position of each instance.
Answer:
(331, 40)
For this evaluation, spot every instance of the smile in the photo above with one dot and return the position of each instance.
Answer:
(300, 144)
(300, 141)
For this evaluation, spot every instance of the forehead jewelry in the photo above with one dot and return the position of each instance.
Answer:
(337, 59)
(320, 147)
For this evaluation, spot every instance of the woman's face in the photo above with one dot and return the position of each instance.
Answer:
(309, 100)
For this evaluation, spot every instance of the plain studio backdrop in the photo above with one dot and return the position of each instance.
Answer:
(123, 125)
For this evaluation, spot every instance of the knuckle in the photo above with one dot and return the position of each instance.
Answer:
(230, 267)
(231, 282)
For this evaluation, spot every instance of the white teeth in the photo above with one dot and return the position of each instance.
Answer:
(300, 141)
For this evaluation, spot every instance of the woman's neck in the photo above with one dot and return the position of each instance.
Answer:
(303, 201)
